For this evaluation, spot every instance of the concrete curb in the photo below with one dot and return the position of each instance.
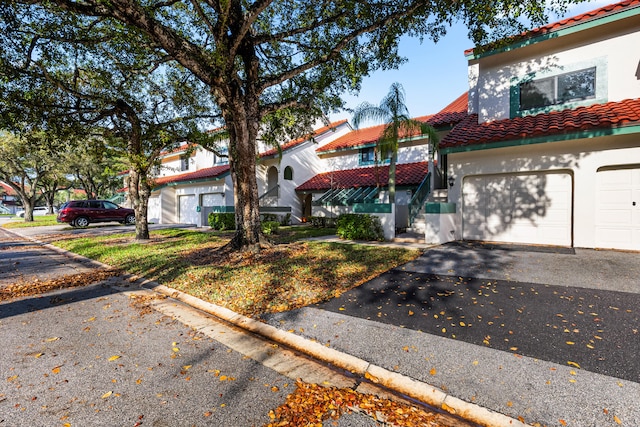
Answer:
(393, 381)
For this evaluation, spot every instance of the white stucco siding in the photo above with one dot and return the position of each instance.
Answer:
(582, 159)
(491, 78)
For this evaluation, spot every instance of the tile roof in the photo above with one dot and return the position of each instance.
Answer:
(7, 189)
(406, 174)
(598, 116)
(452, 113)
(575, 20)
(449, 115)
(587, 16)
(212, 172)
(295, 143)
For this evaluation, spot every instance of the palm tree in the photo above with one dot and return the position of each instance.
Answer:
(398, 125)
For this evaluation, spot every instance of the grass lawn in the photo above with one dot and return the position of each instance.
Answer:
(38, 221)
(289, 275)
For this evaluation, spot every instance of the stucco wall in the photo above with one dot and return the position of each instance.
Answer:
(582, 158)
(611, 48)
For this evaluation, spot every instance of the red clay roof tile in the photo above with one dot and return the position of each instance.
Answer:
(295, 143)
(449, 115)
(212, 172)
(598, 116)
(575, 20)
(406, 174)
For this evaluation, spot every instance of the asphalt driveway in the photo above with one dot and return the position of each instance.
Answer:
(557, 305)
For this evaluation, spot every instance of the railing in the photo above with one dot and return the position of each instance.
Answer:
(419, 197)
(270, 198)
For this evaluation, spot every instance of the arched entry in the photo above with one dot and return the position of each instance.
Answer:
(272, 181)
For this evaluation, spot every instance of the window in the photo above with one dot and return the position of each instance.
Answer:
(184, 163)
(223, 158)
(574, 86)
(288, 173)
(368, 156)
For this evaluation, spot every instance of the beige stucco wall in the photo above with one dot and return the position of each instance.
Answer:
(611, 47)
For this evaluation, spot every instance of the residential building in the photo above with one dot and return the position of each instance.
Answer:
(549, 152)
(192, 182)
(355, 179)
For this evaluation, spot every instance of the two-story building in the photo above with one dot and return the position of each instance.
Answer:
(550, 150)
(192, 182)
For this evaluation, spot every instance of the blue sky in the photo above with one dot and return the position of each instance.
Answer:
(435, 73)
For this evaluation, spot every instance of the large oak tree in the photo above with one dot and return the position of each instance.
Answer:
(264, 56)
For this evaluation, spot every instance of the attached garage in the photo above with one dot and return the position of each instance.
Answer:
(188, 212)
(618, 208)
(532, 207)
(212, 199)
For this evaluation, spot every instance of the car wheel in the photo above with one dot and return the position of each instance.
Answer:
(82, 221)
(130, 219)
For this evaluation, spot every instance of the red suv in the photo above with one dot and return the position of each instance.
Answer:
(79, 213)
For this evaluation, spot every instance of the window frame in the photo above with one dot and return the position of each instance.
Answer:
(600, 86)
(366, 162)
(184, 163)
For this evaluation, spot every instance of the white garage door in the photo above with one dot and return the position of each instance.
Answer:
(618, 208)
(153, 210)
(524, 208)
(212, 199)
(188, 214)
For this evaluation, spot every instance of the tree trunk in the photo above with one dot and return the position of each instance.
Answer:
(392, 178)
(139, 191)
(243, 132)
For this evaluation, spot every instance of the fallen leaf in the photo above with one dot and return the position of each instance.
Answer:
(56, 370)
(570, 363)
(186, 367)
(432, 371)
(563, 422)
(112, 358)
(52, 339)
(371, 378)
(107, 394)
(617, 420)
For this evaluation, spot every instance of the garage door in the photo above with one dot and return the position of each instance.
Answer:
(153, 210)
(524, 208)
(212, 199)
(188, 214)
(618, 208)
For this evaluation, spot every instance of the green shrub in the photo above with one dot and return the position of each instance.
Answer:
(268, 217)
(222, 221)
(285, 219)
(359, 227)
(270, 227)
(322, 221)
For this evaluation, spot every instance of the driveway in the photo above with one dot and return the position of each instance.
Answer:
(549, 334)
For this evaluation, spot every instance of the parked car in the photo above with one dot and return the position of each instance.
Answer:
(37, 211)
(80, 213)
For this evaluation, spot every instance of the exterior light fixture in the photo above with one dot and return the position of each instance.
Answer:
(452, 181)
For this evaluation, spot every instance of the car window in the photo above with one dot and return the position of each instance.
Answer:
(109, 205)
(95, 204)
